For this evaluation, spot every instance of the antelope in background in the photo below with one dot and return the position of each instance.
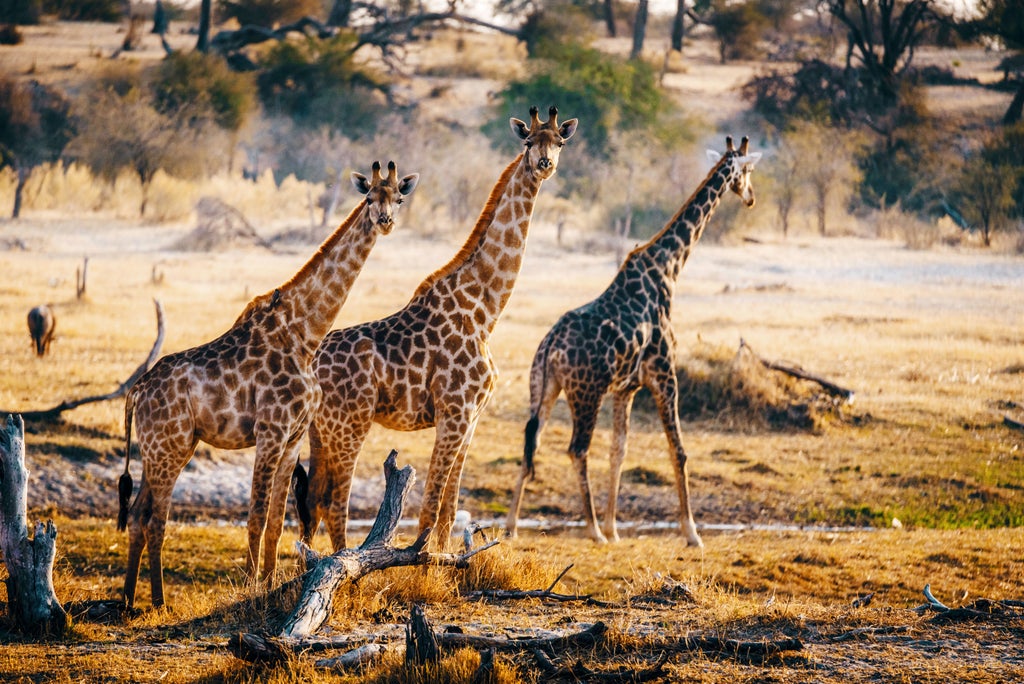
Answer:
(41, 323)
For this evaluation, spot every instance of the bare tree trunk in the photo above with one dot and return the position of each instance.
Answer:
(678, 30)
(31, 601)
(639, 30)
(340, 12)
(81, 274)
(609, 17)
(203, 43)
(23, 175)
(1016, 108)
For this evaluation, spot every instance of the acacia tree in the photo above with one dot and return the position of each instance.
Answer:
(882, 35)
(119, 132)
(34, 130)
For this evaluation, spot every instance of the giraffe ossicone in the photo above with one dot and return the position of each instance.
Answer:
(621, 341)
(429, 364)
(252, 386)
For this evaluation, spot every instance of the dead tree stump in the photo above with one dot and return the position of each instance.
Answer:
(31, 601)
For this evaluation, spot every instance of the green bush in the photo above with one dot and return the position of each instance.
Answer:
(205, 83)
(606, 93)
(320, 83)
(84, 10)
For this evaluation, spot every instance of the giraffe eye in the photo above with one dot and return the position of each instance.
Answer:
(399, 200)
(529, 144)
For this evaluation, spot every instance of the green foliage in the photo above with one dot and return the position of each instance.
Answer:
(20, 12)
(204, 83)
(319, 82)
(84, 10)
(737, 27)
(269, 13)
(606, 93)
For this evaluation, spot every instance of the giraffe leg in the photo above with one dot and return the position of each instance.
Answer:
(341, 439)
(665, 393)
(278, 505)
(155, 541)
(139, 515)
(539, 417)
(450, 496)
(623, 404)
(584, 414)
(271, 442)
(451, 433)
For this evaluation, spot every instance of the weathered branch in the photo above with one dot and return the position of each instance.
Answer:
(1012, 424)
(68, 404)
(587, 638)
(519, 594)
(325, 573)
(31, 601)
(382, 33)
(581, 673)
(830, 387)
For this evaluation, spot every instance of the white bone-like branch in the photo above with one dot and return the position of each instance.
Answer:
(932, 601)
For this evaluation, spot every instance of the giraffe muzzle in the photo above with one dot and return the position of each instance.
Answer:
(543, 163)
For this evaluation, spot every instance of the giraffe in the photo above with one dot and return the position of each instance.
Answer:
(622, 341)
(429, 364)
(252, 386)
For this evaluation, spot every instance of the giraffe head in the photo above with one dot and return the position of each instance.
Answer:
(384, 194)
(543, 140)
(737, 165)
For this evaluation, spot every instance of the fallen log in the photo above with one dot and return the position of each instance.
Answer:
(587, 638)
(581, 673)
(31, 600)
(827, 385)
(68, 404)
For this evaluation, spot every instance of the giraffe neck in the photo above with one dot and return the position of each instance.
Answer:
(309, 302)
(480, 278)
(670, 248)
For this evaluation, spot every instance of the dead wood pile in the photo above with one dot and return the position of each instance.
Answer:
(739, 390)
(219, 226)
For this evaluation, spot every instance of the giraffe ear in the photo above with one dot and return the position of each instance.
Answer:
(408, 184)
(520, 128)
(568, 128)
(361, 183)
(751, 158)
(714, 156)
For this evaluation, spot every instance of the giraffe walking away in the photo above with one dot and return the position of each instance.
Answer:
(429, 364)
(622, 341)
(252, 386)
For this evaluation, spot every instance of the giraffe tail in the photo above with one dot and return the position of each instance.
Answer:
(530, 445)
(300, 485)
(124, 484)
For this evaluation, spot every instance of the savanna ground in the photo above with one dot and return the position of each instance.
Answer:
(918, 481)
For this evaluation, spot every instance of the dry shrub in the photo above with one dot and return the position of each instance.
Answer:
(507, 569)
(170, 198)
(736, 391)
(219, 226)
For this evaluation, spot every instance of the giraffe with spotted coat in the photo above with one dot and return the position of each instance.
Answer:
(429, 364)
(252, 386)
(622, 341)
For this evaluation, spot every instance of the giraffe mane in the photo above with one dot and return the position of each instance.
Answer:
(482, 223)
(260, 301)
(685, 205)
